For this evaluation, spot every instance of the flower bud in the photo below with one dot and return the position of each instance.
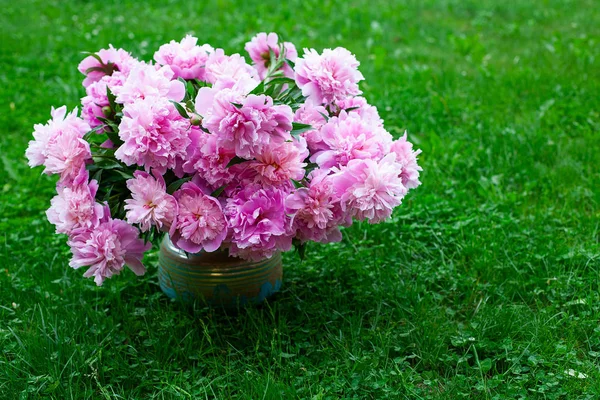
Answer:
(196, 120)
(107, 111)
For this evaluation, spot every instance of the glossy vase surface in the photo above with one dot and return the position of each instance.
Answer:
(217, 278)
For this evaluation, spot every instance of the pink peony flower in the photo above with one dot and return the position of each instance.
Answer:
(182, 163)
(106, 248)
(97, 97)
(66, 154)
(328, 77)
(369, 189)
(91, 109)
(149, 81)
(248, 124)
(200, 223)
(314, 116)
(348, 137)
(224, 71)
(154, 134)
(210, 160)
(75, 205)
(276, 165)
(273, 187)
(257, 222)
(360, 106)
(259, 47)
(119, 59)
(37, 151)
(150, 204)
(316, 210)
(407, 157)
(186, 59)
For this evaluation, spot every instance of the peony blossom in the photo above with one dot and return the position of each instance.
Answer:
(106, 248)
(368, 189)
(154, 134)
(149, 81)
(186, 58)
(407, 157)
(265, 161)
(150, 204)
(248, 124)
(328, 77)
(97, 97)
(75, 205)
(209, 160)
(276, 165)
(224, 71)
(316, 210)
(66, 154)
(359, 105)
(200, 224)
(259, 50)
(348, 137)
(258, 223)
(315, 116)
(37, 151)
(112, 60)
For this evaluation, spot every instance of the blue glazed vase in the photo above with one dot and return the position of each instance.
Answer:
(217, 278)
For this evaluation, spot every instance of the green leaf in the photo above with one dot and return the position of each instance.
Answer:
(114, 138)
(112, 132)
(300, 248)
(237, 105)
(235, 160)
(108, 122)
(290, 63)
(98, 175)
(310, 167)
(258, 89)
(291, 96)
(146, 236)
(94, 131)
(282, 80)
(324, 116)
(190, 90)
(298, 128)
(102, 152)
(270, 90)
(177, 184)
(272, 60)
(186, 96)
(217, 192)
(200, 84)
(276, 69)
(108, 192)
(190, 105)
(125, 174)
(485, 365)
(96, 56)
(180, 109)
(97, 69)
(106, 162)
(111, 99)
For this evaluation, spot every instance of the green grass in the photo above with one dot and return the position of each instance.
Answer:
(484, 285)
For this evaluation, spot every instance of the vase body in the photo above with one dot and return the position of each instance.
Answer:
(217, 278)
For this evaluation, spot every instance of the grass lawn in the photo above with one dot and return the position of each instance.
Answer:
(484, 284)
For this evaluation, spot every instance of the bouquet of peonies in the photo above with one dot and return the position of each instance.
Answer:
(217, 153)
